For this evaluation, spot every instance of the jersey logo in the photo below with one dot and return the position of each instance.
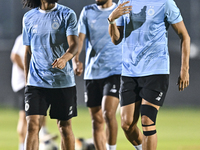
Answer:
(151, 11)
(92, 24)
(55, 25)
(70, 111)
(93, 21)
(159, 96)
(86, 97)
(113, 90)
(34, 30)
(26, 106)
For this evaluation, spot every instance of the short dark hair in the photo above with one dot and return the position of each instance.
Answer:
(34, 3)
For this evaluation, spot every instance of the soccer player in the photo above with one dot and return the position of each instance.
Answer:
(50, 37)
(102, 72)
(142, 25)
(18, 84)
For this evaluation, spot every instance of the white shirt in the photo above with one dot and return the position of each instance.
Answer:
(18, 78)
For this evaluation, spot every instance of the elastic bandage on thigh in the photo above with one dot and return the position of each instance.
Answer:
(151, 113)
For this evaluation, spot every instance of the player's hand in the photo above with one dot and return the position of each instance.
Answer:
(78, 68)
(59, 63)
(120, 10)
(183, 80)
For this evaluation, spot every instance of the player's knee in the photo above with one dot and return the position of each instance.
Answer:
(21, 130)
(98, 123)
(64, 128)
(108, 116)
(33, 126)
(128, 127)
(98, 118)
(148, 119)
(63, 131)
(127, 124)
(21, 133)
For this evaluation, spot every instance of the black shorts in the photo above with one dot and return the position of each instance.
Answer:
(20, 97)
(152, 88)
(96, 89)
(62, 102)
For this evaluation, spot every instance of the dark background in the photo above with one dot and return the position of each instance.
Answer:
(10, 27)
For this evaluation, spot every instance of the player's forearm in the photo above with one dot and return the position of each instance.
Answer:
(27, 58)
(15, 58)
(20, 64)
(80, 47)
(73, 48)
(114, 31)
(81, 39)
(114, 34)
(71, 52)
(185, 46)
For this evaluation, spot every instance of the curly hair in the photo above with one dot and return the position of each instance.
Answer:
(35, 3)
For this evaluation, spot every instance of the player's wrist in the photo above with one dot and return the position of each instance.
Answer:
(185, 69)
(75, 59)
(111, 21)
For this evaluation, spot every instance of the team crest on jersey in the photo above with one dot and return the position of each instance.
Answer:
(151, 11)
(35, 28)
(55, 25)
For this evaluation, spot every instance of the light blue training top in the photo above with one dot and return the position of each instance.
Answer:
(46, 32)
(145, 42)
(103, 58)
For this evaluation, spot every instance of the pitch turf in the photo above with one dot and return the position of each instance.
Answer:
(177, 128)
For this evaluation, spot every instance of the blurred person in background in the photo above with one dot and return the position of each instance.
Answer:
(18, 85)
(102, 72)
(142, 26)
(50, 37)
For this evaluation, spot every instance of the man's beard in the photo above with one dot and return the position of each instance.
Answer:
(101, 3)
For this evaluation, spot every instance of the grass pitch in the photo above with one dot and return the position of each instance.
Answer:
(177, 128)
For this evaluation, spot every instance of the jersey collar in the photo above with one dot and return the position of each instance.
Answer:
(47, 11)
(107, 9)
